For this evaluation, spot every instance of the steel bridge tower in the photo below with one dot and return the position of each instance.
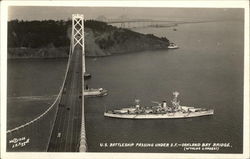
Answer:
(77, 40)
(77, 36)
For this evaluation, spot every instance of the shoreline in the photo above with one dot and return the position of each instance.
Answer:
(16, 57)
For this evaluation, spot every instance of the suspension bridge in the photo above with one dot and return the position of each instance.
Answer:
(65, 117)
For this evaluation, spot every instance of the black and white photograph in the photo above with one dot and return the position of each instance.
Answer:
(126, 79)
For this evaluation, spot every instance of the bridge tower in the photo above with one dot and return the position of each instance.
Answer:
(77, 37)
(77, 40)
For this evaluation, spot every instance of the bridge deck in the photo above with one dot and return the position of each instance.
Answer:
(66, 132)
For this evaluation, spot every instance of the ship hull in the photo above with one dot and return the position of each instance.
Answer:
(95, 93)
(173, 47)
(161, 116)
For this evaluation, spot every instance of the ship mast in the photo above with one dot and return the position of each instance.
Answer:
(175, 101)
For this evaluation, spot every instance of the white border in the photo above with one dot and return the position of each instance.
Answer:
(185, 4)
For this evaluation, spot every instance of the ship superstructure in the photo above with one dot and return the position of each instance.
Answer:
(160, 111)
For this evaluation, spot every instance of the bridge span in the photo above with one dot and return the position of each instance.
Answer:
(66, 131)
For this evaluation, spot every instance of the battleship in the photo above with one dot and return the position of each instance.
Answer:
(159, 111)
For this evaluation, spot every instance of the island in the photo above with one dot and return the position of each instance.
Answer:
(51, 39)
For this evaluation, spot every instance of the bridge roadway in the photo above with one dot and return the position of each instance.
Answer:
(66, 131)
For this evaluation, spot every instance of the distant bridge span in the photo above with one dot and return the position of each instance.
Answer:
(112, 21)
(134, 23)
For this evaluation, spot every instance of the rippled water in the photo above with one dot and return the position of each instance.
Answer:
(207, 70)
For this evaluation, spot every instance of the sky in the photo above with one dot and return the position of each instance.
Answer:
(64, 13)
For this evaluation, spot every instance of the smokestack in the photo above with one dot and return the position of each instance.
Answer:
(164, 104)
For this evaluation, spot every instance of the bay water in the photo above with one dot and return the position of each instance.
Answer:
(207, 70)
